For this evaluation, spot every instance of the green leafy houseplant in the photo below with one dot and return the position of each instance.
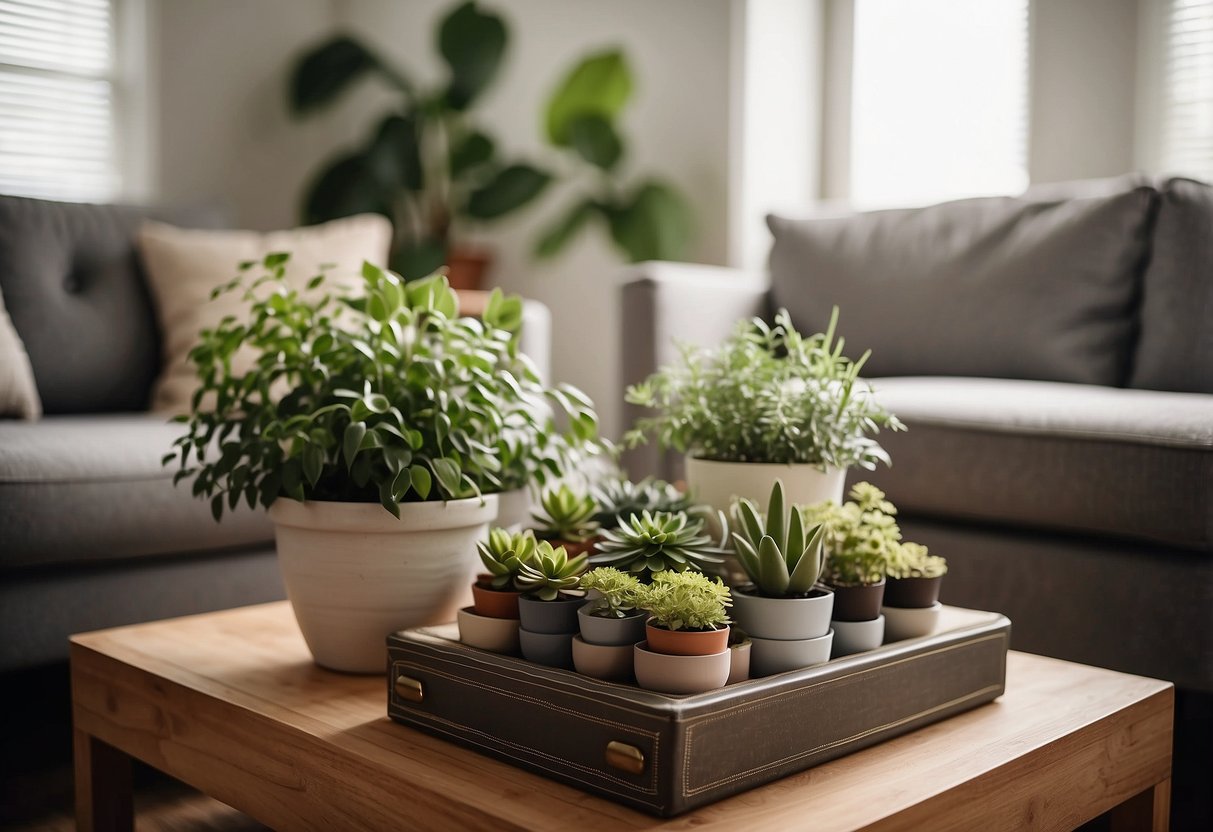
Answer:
(620, 592)
(913, 560)
(619, 498)
(650, 543)
(687, 601)
(767, 394)
(427, 165)
(550, 572)
(777, 552)
(861, 536)
(566, 516)
(504, 554)
(647, 219)
(380, 395)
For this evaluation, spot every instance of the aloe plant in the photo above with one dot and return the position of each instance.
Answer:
(620, 498)
(550, 572)
(566, 516)
(503, 555)
(777, 552)
(649, 543)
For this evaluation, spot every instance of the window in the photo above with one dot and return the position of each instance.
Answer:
(1187, 118)
(938, 100)
(57, 93)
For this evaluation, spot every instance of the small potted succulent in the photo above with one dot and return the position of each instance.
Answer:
(611, 624)
(491, 623)
(687, 650)
(785, 613)
(912, 599)
(566, 519)
(663, 541)
(550, 583)
(619, 499)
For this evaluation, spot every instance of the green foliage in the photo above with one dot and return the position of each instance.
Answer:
(861, 536)
(687, 601)
(781, 556)
(383, 395)
(911, 560)
(620, 592)
(619, 498)
(550, 572)
(428, 166)
(649, 543)
(647, 219)
(565, 515)
(767, 394)
(503, 555)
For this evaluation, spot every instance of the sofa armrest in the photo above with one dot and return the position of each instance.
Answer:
(669, 303)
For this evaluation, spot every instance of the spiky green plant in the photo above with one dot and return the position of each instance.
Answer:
(566, 515)
(619, 498)
(620, 592)
(649, 543)
(550, 572)
(687, 601)
(503, 554)
(777, 552)
(912, 560)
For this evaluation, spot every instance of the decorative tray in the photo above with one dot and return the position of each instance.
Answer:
(667, 754)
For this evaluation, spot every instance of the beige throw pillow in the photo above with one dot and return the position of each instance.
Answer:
(18, 393)
(183, 266)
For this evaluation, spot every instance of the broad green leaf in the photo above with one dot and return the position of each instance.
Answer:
(595, 140)
(600, 85)
(328, 70)
(346, 186)
(313, 464)
(509, 190)
(422, 481)
(473, 43)
(469, 152)
(447, 473)
(394, 156)
(419, 259)
(351, 441)
(655, 224)
(557, 235)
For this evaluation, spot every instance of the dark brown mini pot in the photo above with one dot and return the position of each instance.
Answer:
(687, 642)
(574, 549)
(494, 603)
(859, 603)
(912, 593)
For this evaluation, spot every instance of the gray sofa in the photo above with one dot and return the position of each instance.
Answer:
(92, 532)
(1052, 356)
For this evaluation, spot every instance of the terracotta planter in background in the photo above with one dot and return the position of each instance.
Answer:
(686, 642)
(858, 603)
(914, 593)
(466, 267)
(494, 603)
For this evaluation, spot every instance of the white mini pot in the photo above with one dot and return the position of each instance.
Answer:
(718, 483)
(857, 636)
(612, 662)
(513, 509)
(784, 618)
(355, 573)
(497, 635)
(905, 622)
(680, 674)
(769, 656)
(739, 662)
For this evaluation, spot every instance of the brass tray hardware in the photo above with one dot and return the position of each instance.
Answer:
(625, 757)
(410, 689)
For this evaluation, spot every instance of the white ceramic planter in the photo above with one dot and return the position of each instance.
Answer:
(718, 483)
(739, 662)
(680, 674)
(612, 662)
(354, 573)
(513, 509)
(784, 618)
(905, 622)
(769, 656)
(857, 636)
(497, 635)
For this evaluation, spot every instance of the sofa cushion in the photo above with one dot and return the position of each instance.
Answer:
(18, 392)
(76, 295)
(1042, 286)
(1175, 350)
(1129, 463)
(79, 489)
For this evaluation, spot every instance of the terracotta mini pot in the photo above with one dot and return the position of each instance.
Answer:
(783, 618)
(495, 603)
(857, 636)
(858, 603)
(686, 642)
(612, 662)
(559, 616)
(912, 593)
(551, 649)
(680, 674)
(910, 622)
(497, 635)
(466, 267)
(596, 629)
(769, 656)
(575, 548)
(739, 662)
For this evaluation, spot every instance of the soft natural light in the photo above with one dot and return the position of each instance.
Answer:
(939, 100)
(1188, 115)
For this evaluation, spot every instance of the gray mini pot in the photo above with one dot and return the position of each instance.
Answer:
(551, 649)
(559, 616)
(596, 629)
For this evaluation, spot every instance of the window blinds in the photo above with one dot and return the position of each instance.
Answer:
(57, 99)
(1187, 121)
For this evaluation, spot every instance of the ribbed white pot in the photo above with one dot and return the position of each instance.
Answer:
(718, 483)
(354, 573)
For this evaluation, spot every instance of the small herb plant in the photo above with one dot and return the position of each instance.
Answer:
(662, 542)
(619, 499)
(380, 395)
(912, 560)
(777, 552)
(861, 536)
(767, 394)
(620, 592)
(550, 572)
(566, 515)
(687, 601)
(503, 555)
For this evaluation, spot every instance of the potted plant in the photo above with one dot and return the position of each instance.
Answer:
(362, 423)
(785, 613)
(651, 543)
(767, 403)
(549, 603)
(619, 499)
(566, 518)
(491, 623)
(688, 634)
(611, 623)
(911, 603)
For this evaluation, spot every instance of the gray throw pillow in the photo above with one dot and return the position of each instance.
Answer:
(1042, 286)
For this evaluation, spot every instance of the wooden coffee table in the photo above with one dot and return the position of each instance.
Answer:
(231, 703)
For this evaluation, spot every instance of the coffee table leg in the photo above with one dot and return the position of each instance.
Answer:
(1149, 810)
(103, 786)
